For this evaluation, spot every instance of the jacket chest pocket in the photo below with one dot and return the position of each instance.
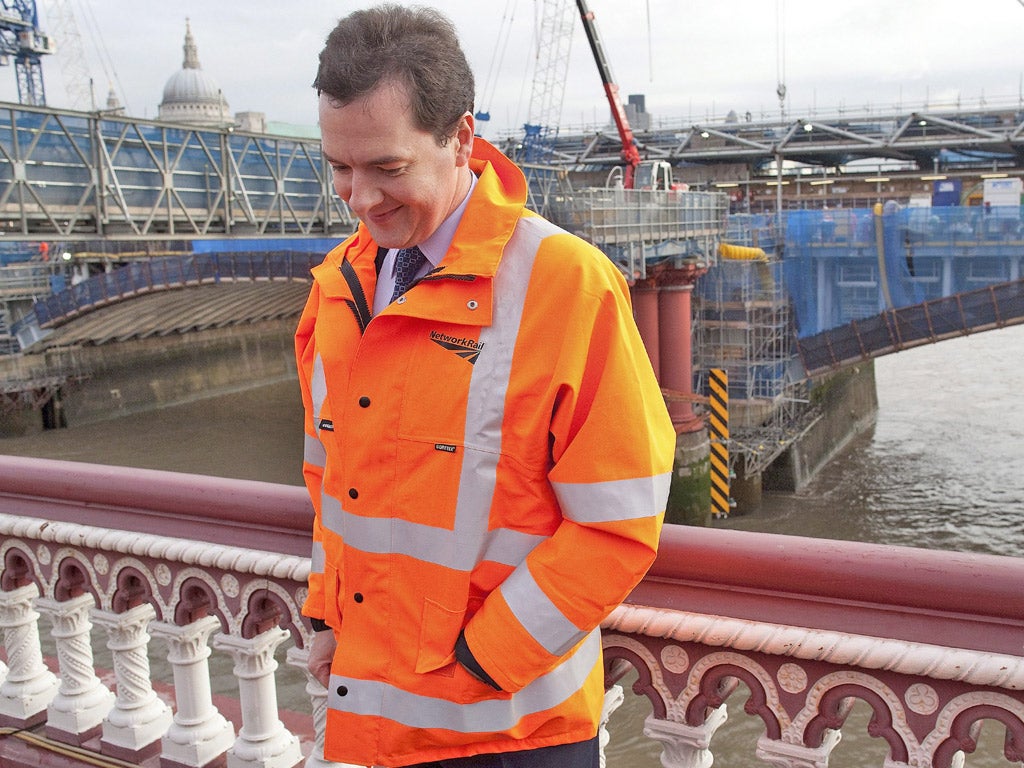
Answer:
(427, 482)
(436, 398)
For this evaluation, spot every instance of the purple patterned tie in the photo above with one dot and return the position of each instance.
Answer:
(407, 263)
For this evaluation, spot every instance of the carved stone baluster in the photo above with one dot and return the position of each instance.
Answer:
(199, 733)
(297, 657)
(263, 741)
(133, 728)
(613, 699)
(785, 755)
(686, 746)
(76, 713)
(28, 686)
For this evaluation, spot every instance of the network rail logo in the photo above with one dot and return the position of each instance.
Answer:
(467, 349)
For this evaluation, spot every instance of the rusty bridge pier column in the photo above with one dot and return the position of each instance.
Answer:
(645, 309)
(690, 494)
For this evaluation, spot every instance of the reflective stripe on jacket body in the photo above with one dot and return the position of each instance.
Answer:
(492, 455)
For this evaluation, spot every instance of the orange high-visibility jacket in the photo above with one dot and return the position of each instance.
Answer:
(489, 455)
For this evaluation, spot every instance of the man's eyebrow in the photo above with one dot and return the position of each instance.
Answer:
(385, 160)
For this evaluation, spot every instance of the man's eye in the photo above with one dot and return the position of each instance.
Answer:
(394, 171)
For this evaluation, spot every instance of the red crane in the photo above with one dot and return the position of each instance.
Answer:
(630, 153)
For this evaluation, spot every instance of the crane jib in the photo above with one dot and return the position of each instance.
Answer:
(630, 153)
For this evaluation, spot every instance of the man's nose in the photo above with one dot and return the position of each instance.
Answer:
(363, 193)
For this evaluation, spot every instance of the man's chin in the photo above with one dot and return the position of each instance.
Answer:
(385, 238)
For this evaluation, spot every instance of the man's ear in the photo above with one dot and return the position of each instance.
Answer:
(464, 139)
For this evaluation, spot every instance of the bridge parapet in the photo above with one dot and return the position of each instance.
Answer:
(237, 585)
(930, 641)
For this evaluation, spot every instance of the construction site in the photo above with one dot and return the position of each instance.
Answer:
(775, 302)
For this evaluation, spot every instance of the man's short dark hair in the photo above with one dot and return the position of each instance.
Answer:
(418, 47)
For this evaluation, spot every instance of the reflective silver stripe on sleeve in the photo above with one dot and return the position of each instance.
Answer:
(318, 388)
(316, 560)
(613, 500)
(313, 452)
(510, 547)
(377, 699)
(538, 615)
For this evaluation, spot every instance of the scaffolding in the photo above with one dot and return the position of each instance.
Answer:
(742, 321)
(755, 230)
(20, 285)
(743, 325)
(638, 228)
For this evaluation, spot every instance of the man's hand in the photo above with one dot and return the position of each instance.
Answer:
(321, 653)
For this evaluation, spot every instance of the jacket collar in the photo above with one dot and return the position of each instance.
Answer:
(491, 215)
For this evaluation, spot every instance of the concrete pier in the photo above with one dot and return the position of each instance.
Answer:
(132, 376)
(845, 406)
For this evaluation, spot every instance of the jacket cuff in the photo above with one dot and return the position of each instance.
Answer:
(466, 658)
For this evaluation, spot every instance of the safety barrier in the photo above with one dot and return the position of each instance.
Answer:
(638, 228)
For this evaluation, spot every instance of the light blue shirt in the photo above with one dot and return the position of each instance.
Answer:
(434, 248)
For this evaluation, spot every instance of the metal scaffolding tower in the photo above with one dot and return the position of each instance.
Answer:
(744, 326)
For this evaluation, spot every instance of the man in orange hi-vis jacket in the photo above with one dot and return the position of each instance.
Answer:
(488, 451)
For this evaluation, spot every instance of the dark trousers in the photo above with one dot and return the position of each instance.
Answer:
(583, 754)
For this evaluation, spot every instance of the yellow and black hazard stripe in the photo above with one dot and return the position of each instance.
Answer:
(718, 428)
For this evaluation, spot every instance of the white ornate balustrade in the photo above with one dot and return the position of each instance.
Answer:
(155, 565)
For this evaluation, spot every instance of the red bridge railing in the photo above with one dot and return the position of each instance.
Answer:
(164, 564)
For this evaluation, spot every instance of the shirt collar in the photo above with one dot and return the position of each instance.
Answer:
(436, 246)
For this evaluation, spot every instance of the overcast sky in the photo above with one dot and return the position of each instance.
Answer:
(695, 61)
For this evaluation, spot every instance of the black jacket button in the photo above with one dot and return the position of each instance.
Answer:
(358, 597)
(364, 402)
(342, 690)
(353, 493)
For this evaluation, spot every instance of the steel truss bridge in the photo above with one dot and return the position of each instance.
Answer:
(936, 139)
(92, 175)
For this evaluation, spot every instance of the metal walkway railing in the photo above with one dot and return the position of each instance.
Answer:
(984, 309)
(171, 272)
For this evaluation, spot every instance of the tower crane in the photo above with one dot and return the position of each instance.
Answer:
(554, 42)
(22, 40)
(546, 102)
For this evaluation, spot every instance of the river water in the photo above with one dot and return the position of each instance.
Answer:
(943, 469)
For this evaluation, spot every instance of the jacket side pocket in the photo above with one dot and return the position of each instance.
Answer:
(438, 632)
(332, 589)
